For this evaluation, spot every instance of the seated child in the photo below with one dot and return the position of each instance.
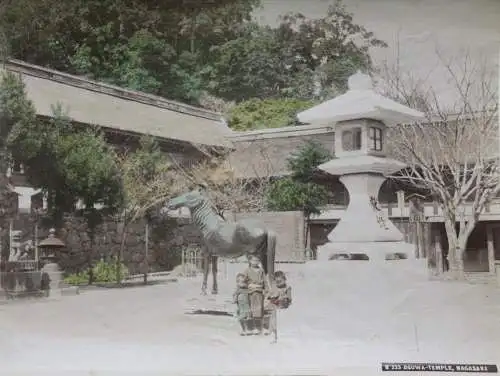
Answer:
(256, 285)
(242, 301)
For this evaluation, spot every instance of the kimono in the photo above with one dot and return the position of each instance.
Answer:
(281, 298)
(256, 286)
(242, 301)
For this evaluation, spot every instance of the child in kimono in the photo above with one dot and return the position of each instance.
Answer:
(242, 301)
(279, 298)
(282, 296)
(256, 286)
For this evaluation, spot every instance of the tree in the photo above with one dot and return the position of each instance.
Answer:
(89, 168)
(32, 142)
(15, 111)
(147, 181)
(267, 113)
(301, 58)
(250, 66)
(138, 44)
(298, 191)
(226, 191)
(453, 155)
(334, 47)
(68, 164)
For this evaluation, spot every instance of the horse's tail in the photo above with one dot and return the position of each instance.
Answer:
(270, 253)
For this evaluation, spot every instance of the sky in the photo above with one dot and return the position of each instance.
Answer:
(453, 27)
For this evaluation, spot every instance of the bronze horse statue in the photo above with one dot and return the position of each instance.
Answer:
(226, 239)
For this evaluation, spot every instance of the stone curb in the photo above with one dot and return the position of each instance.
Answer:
(77, 290)
(126, 284)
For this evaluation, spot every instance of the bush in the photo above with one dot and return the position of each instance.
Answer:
(103, 272)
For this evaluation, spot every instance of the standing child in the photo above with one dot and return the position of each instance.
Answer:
(256, 285)
(282, 297)
(242, 301)
(279, 298)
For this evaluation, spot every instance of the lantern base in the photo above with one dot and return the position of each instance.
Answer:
(54, 274)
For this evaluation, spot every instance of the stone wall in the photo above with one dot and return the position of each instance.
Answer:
(290, 231)
(167, 238)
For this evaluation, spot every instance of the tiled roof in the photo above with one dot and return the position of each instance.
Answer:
(109, 106)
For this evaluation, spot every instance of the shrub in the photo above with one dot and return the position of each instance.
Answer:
(103, 272)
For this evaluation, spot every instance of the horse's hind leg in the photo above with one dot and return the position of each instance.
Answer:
(206, 265)
(215, 262)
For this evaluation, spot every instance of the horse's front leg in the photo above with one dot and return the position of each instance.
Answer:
(215, 261)
(206, 265)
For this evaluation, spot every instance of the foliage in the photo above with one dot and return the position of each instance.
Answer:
(180, 49)
(102, 272)
(16, 111)
(334, 46)
(267, 113)
(287, 194)
(299, 191)
(304, 162)
(249, 66)
(301, 58)
(227, 191)
(90, 168)
(146, 180)
(138, 44)
(67, 163)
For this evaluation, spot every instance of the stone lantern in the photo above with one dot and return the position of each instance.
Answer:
(51, 248)
(361, 118)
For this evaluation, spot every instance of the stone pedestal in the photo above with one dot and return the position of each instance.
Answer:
(377, 252)
(364, 228)
(55, 275)
(362, 221)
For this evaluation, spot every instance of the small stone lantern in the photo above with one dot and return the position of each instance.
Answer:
(51, 248)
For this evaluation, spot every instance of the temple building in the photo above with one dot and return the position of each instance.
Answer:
(416, 216)
(126, 115)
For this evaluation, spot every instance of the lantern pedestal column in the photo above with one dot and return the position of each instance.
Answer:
(363, 229)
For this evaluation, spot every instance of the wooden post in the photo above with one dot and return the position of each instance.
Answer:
(401, 201)
(427, 238)
(10, 241)
(439, 254)
(36, 244)
(146, 257)
(491, 250)
(414, 219)
(420, 239)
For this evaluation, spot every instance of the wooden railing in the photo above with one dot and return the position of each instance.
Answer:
(431, 212)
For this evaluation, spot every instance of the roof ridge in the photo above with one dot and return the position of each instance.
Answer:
(108, 89)
(282, 131)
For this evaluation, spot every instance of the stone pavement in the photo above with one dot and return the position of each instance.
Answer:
(343, 314)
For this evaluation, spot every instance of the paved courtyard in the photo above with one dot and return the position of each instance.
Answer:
(345, 314)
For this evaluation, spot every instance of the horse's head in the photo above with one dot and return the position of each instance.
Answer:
(189, 200)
